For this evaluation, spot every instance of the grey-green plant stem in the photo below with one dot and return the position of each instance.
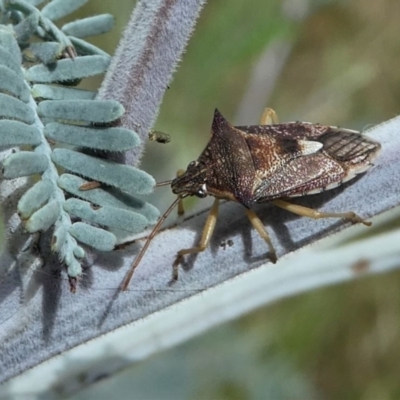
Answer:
(147, 56)
(54, 316)
(311, 268)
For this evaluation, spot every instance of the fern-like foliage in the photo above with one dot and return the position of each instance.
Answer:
(39, 110)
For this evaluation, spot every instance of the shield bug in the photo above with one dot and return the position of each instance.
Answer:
(268, 163)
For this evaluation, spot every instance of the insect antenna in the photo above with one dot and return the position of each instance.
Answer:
(165, 183)
(156, 228)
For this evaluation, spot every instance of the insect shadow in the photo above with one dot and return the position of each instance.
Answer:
(275, 220)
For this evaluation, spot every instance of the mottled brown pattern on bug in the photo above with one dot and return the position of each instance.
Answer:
(259, 163)
(290, 130)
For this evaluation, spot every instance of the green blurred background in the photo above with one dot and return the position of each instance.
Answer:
(333, 62)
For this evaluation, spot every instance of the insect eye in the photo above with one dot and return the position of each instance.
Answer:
(193, 164)
(202, 192)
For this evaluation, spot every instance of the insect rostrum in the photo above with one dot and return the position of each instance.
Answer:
(269, 163)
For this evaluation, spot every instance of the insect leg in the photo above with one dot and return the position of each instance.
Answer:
(181, 209)
(259, 227)
(309, 212)
(204, 241)
(153, 233)
(269, 117)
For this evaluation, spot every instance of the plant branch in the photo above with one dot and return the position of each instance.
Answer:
(53, 321)
(145, 60)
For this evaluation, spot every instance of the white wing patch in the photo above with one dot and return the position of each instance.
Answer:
(309, 147)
